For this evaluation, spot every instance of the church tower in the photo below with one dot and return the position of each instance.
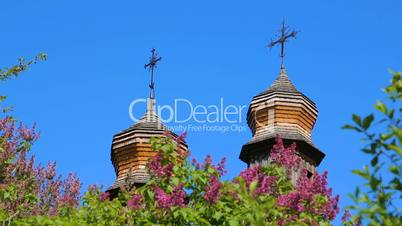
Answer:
(131, 149)
(281, 110)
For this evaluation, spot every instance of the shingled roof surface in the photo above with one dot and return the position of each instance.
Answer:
(150, 121)
(281, 84)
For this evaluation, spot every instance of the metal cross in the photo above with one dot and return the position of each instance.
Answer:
(152, 64)
(286, 34)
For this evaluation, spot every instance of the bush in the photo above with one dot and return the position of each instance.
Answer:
(378, 202)
(191, 193)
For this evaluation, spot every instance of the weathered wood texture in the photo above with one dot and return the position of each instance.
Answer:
(131, 150)
(283, 111)
(134, 156)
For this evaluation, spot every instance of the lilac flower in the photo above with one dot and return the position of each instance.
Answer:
(156, 168)
(212, 193)
(177, 139)
(178, 196)
(250, 174)
(264, 182)
(303, 198)
(164, 200)
(50, 171)
(92, 188)
(181, 137)
(28, 134)
(265, 185)
(196, 164)
(207, 161)
(50, 191)
(70, 191)
(346, 216)
(221, 167)
(285, 156)
(104, 196)
(135, 202)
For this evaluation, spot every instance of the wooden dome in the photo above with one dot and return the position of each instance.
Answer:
(283, 111)
(131, 150)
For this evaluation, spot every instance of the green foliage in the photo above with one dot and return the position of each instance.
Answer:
(177, 193)
(158, 203)
(379, 202)
(22, 65)
(15, 71)
(27, 189)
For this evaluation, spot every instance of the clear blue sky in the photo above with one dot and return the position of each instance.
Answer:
(211, 49)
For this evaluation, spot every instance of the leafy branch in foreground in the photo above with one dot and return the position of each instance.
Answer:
(14, 71)
(379, 201)
(181, 192)
(27, 189)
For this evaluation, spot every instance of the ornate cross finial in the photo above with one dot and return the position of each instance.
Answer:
(153, 60)
(285, 34)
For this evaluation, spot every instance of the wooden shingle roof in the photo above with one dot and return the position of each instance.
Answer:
(131, 150)
(281, 111)
(281, 84)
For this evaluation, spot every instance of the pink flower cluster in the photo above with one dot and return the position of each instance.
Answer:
(220, 167)
(160, 167)
(174, 137)
(70, 191)
(303, 199)
(283, 156)
(307, 190)
(93, 188)
(265, 183)
(156, 168)
(19, 172)
(104, 196)
(346, 216)
(165, 200)
(181, 137)
(212, 190)
(135, 202)
(212, 193)
(346, 219)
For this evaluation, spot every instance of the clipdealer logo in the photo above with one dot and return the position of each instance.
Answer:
(186, 116)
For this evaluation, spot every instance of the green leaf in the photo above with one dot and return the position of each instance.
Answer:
(368, 151)
(395, 148)
(217, 215)
(233, 222)
(374, 161)
(391, 113)
(357, 119)
(374, 182)
(351, 127)
(253, 186)
(361, 173)
(175, 180)
(367, 121)
(394, 170)
(381, 107)
(357, 192)
(385, 137)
